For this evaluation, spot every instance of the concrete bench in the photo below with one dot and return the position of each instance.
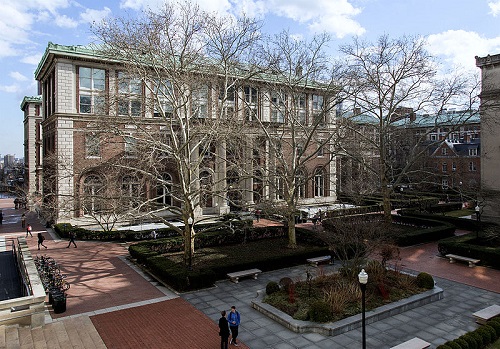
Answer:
(317, 260)
(238, 274)
(472, 262)
(482, 316)
(414, 343)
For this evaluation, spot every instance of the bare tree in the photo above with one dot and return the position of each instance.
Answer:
(388, 82)
(179, 68)
(297, 133)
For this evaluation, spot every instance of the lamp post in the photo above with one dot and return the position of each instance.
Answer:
(461, 195)
(363, 279)
(190, 225)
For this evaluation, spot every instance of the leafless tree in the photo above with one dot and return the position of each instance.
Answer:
(179, 67)
(386, 83)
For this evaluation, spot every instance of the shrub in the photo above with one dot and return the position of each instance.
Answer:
(453, 345)
(496, 326)
(477, 337)
(425, 280)
(462, 343)
(319, 311)
(485, 335)
(285, 283)
(272, 287)
(470, 341)
(444, 346)
(492, 331)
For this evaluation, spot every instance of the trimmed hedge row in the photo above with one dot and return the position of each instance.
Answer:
(460, 223)
(465, 246)
(480, 338)
(426, 230)
(175, 274)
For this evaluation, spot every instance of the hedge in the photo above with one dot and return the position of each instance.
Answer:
(477, 339)
(464, 246)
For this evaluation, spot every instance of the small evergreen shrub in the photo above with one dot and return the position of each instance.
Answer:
(425, 280)
(478, 338)
(485, 335)
(444, 346)
(492, 331)
(462, 342)
(496, 326)
(470, 340)
(272, 287)
(453, 345)
(319, 311)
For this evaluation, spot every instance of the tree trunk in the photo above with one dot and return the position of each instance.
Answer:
(292, 239)
(188, 246)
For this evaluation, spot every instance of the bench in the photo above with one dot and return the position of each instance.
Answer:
(472, 262)
(238, 274)
(482, 316)
(321, 259)
(414, 343)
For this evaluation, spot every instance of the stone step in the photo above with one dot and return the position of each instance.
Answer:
(76, 332)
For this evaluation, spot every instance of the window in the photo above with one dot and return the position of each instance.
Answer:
(444, 183)
(444, 151)
(317, 106)
(199, 102)
(433, 137)
(279, 188)
(300, 182)
(206, 185)
(91, 87)
(92, 145)
(277, 107)
(163, 190)
(321, 150)
(251, 103)
(164, 95)
(93, 191)
(251, 95)
(317, 102)
(445, 167)
(473, 152)
(130, 191)
(301, 109)
(319, 183)
(453, 167)
(130, 99)
(472, 166)
(130, 146)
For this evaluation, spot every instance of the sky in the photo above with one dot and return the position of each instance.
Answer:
(456, 32)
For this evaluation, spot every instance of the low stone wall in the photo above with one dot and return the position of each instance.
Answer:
(350, 323)
(30, 309)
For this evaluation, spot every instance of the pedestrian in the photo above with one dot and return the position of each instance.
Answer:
(478, 213)
(154, 234)
(257, 215)
(41, 238)
(1, 217)
(320, 216)
(223, 330)
(71, 239)
(28, 230)
(234, 321)
(23, 220)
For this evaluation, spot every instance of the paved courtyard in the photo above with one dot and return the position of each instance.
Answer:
(130, 310)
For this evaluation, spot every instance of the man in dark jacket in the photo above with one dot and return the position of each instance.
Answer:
(223, 330)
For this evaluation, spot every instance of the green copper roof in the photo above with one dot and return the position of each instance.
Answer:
(30, 99)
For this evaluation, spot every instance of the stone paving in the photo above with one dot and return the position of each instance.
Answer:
(124, 308)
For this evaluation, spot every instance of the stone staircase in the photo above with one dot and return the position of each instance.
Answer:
(75, 332)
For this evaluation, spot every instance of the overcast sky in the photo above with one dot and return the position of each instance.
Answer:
(456, 32)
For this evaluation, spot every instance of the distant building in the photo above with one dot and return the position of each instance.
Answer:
(490, 116)
(31, 106)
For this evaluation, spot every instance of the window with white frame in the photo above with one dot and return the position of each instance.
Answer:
(301, 108)
(130, 95)
(301, 184)
(279, 189)
(163, 190)
(91, 90)
(199, 102)
(444, 183)
(277, 107)
(321, 150)
(473, 152)
(318, 110)
(472, 166)
(319, 182)
(130, 191)
(252, 111)
(445, 167)
(92, 145)
(444, 151)
(93, 194)
(454, 167)
(130, 146)
(164, 95)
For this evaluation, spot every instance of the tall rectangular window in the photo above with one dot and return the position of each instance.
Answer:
(130, 95)
(472, 166)
(277, 107)
(164, 95)
(252, 111)
(318, 110)
(473, 152)
(92, 145)
(91, 88)
(199, 102)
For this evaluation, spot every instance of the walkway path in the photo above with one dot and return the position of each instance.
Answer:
(119, 307)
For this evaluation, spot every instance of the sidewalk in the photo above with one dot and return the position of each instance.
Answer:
(130, 310)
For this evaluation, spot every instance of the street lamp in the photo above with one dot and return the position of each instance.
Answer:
(461, 195)
(190, 225)
(363, 279)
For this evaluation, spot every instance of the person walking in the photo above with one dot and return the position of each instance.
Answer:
(223, 330)
(71, 239)
(28, 230)
(1, 217)
(478, 212)
(234, 320)
(41, 238)
(23, 221)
